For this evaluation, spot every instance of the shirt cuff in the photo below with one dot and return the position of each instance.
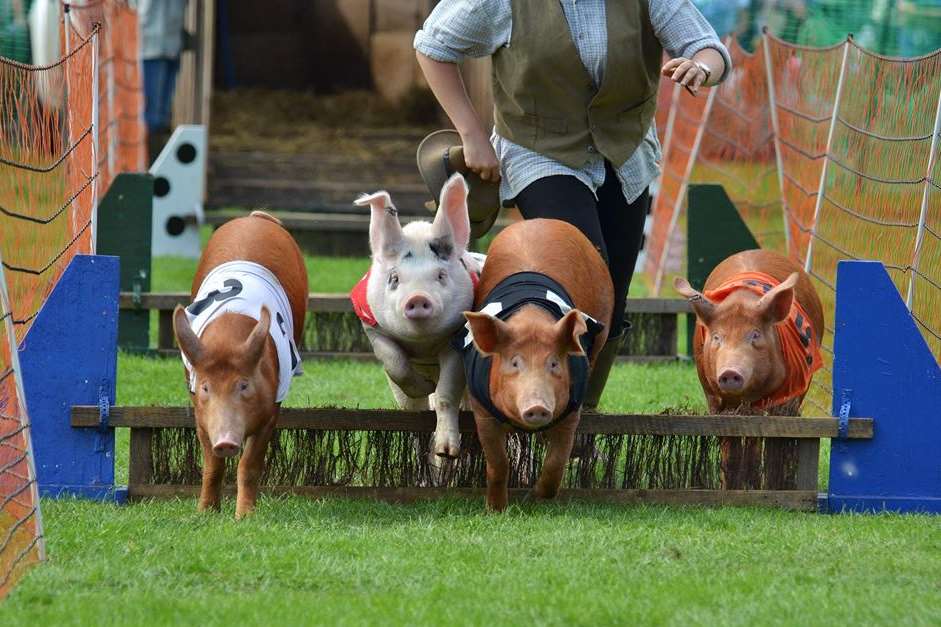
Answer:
(716, 45)
(433, 49)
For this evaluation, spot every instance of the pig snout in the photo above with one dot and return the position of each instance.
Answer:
(419, 307)
(731, 381)
(536, 415)
(226, 445)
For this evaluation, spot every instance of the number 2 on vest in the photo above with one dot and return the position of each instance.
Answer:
(234, 289)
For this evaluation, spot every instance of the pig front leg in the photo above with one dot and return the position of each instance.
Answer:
(560, 439)
(251, 467)
(492, 437)
(397, 366)
(210, 494)
(446, 402)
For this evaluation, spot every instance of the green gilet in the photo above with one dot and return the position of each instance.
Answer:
(545, 99)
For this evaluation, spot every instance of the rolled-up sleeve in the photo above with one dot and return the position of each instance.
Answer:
(683, 31)
(465, 28)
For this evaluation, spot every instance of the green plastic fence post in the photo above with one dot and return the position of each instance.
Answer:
(714, 231)
(125, 220)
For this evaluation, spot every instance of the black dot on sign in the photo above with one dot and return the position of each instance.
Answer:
(175, 225)
(161, 186)
(186, 153)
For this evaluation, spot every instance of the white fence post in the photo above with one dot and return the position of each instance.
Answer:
(674, 218)
(826, 155)
(923, 214)
(775, 129)
(94, 148)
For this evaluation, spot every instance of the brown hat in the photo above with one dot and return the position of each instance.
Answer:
(439, 156)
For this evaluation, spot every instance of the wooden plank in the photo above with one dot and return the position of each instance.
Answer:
(337, 222)
(339, 303)
(808, 463)
(804, 500)
(165, 335)
(338, 419)
(371, 357)
(140, 470)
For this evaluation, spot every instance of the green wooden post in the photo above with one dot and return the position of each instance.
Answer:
(714, 230)
(125, 220)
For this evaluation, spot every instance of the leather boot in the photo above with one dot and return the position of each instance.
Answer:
(601, 370)
(584, 444)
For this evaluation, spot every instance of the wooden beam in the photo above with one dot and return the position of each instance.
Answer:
(340, 303)
(808, 464)
(333, 419)
(804, 500)
(309, 221)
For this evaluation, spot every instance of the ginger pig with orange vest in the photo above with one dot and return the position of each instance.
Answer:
(759, 323)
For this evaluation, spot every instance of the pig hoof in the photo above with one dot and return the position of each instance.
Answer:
(448, 445)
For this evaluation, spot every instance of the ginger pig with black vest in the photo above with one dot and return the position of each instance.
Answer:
(542, 308)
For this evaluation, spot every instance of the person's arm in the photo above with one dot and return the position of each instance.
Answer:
(454, 30)
(699, 58)
(448, 87)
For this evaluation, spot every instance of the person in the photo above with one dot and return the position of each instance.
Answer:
(575, 90)
(161, 27)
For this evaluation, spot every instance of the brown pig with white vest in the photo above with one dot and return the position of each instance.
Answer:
(543, 307)
(239, 341)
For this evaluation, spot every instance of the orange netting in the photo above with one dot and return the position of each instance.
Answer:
(21, 541)
(836, 158)
(47, 173)
(65, 130)
(681, 134)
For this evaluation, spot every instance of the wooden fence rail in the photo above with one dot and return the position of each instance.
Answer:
(145, 422)
(653, 336)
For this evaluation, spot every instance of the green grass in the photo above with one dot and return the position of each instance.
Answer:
(351, 563)
(325, 274)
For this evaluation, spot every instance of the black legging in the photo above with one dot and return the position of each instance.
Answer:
(614, 226)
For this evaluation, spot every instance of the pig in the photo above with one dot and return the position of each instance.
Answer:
(759, 322)
(411, 302)
(544, 301)
(238, 341)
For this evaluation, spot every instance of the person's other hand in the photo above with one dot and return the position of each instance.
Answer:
(686, 72)
(480, 157)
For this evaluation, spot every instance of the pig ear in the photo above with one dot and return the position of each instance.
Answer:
(569, 329)
(452, 220)
(385, 232)
(255, 344)
(489, 333)
(189, 342)
(775, 306)
(703, 307)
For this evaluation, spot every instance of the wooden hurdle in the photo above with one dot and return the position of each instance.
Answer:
(653, 336)
(145, 421)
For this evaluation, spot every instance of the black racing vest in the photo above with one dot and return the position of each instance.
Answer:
(508, 297)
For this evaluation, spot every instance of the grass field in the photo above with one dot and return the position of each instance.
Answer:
(299, 561)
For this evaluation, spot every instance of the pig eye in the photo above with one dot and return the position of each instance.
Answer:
(754, 335)
(516, 363)
(393, 280)
(243, 386)
(442, 275)
(555, 365)
(716, 339)
(204, 388)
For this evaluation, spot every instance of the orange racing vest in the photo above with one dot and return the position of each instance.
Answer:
(799, 341)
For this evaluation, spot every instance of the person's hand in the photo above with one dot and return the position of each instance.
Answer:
(480, 157)
(686, 72)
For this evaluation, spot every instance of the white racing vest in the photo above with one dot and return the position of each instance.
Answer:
(242, 287)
